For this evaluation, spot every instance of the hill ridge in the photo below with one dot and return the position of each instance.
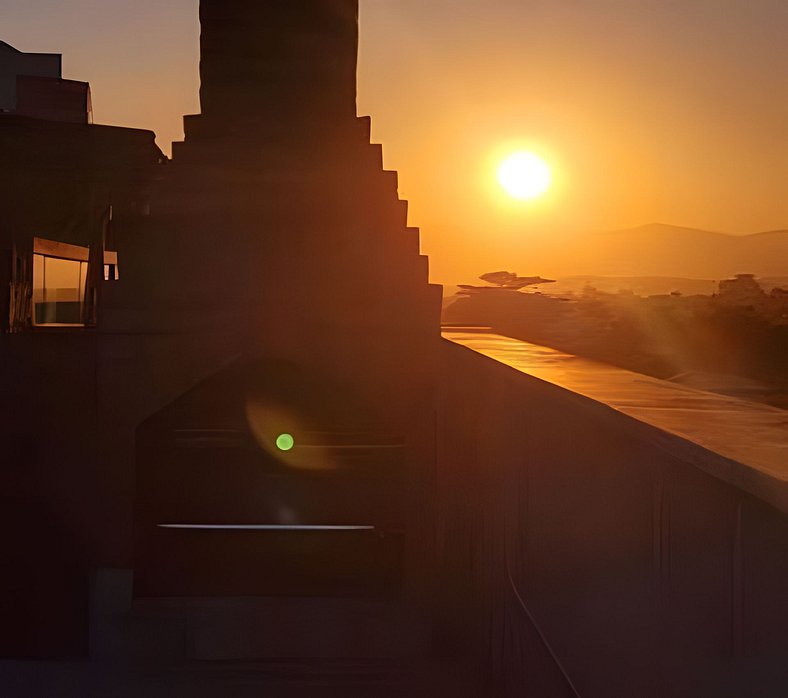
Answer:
(660, 249)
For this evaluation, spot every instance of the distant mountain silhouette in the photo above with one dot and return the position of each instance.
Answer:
(666, 250)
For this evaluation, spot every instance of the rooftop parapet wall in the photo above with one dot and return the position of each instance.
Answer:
(53, 99)
(569, 507)
(742, 443)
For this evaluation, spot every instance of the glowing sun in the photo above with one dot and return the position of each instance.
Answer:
(524, 176)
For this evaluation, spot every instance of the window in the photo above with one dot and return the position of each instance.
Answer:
(59, 277)
(111, 266)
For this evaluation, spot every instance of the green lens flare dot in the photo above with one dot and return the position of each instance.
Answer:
(285, 442)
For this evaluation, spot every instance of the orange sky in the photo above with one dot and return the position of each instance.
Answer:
(648, 111)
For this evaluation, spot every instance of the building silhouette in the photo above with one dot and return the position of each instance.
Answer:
(235, 433)
(31, 85)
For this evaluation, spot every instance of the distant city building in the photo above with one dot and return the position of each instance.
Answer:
(741, 290)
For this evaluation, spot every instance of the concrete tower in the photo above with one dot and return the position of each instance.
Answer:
(278, 68)
(276, 226)
(275, 238)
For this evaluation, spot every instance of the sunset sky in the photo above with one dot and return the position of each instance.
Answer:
(656, 110)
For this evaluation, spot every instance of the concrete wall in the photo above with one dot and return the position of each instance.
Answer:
(558, 519)
(66, 494)
(54, 495)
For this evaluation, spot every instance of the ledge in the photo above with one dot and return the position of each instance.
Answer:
(743, 443)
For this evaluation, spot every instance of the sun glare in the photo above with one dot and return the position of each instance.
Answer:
(524, 176)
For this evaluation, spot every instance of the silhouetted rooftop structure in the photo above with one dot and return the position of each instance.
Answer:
(14, 63)
(31, 85)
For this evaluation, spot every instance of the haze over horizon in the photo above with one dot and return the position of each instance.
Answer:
(648, 111)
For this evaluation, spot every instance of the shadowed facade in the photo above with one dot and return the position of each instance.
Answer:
(274, 235)
(274, 238)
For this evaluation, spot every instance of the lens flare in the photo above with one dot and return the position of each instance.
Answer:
(285, 442)
(284, 434)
